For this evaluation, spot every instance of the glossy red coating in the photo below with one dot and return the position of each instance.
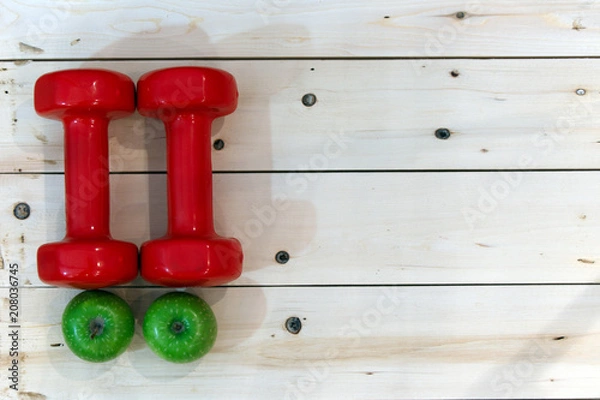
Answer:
(85, 101)
(187, 100)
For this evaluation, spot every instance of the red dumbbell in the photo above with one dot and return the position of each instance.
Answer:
(85, 101)
(187, 100)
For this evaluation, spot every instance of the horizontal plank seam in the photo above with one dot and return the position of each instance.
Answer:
(332, 171)
(376, 285)
(311, 58)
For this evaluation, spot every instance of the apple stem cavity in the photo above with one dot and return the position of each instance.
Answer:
(177, 327)
(96, 327)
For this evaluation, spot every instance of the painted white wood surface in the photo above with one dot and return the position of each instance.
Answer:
(355, 342)
(445, 241)
(355, 228)
(292, 28)
(376, 114)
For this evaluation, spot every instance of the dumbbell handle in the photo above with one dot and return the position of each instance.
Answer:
(189, 175)
(86, 177)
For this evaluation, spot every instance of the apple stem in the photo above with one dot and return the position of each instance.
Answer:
(177, 327)
(96, 327)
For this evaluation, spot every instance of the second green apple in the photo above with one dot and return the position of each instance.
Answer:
(180, 327)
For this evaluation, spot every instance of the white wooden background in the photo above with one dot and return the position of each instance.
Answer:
(420, 268)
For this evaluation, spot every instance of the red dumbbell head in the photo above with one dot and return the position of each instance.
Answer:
(163, 93)
(81, 92)
(186, 261)
(87, 264)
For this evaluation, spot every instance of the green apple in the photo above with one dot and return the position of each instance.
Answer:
(180, 327)
(97, 325)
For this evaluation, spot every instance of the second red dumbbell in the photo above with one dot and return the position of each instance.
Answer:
(187, 100)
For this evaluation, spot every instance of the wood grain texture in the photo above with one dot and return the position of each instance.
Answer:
(292, 28)
(369, 115)
(354, 228)
(368, 343)
(420, 268)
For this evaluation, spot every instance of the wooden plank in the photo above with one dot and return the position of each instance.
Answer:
(508, 114)
(367, 342)
(355, 228)
(291, 28)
